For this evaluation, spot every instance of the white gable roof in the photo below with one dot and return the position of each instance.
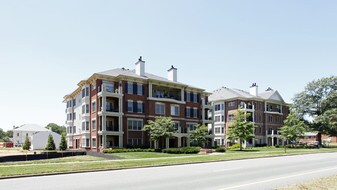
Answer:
(31, 127)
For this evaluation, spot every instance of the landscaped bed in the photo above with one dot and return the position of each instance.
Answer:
(139, 159)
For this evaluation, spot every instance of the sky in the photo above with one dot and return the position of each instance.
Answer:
(47, 47)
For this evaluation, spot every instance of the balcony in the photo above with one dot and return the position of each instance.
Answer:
(112, 128)
(109, 90)
(247, 107)
(273, 133)
(166, 94)
(274, 111)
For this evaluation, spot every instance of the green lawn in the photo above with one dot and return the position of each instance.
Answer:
(138, 155)
(136, 159)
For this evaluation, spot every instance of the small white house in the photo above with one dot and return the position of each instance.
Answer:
(37, 135)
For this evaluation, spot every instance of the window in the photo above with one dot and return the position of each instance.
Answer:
(85, 126)
(217, 107)
(175, 110)
(176, 126)
(188, 97)
(140, 107)
(109, 88)
(83, 109)
(191, 126)
(87, 91)
(74, 102)
(93, 87)
(17, 134)
(217, 130)
(217, 118)
(222, 130)
(93, 124)
(222, 118)
(83, 93)
(195, 112)
(231, 104)
(130, 106)
(139, 89)
(135, 141)
(195, 97)
(188, 112)
(160, 109)
(222, 106)
(135, 125)
(231, 117)
(87, 108)
(74, 115)
(93, 107)
(130, 88)
(94, 142)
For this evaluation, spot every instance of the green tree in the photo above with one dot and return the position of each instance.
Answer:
(63, 143)
(318, 99)
(162, 127)
(327, 122)
(241, 129)
(199, 134)
(9, 133)
(293, 128)
(51, 143)
(26, 144)
(56, 128)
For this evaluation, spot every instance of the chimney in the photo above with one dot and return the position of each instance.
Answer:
(254, 89)
(172, 74)
(140, 67)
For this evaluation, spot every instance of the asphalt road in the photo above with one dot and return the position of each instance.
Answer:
(266, 173)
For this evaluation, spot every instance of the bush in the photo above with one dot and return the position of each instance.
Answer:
(261, 145)
(51, 143)
(26, 145)
(183, 150)
(220, 149)
(122, 150)
(234, 146)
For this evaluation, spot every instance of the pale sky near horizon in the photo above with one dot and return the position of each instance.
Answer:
(47, 47)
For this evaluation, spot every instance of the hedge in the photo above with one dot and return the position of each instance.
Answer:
(183, 150)
(122, 150)
(220, 149)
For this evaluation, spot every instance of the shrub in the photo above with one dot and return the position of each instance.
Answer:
(63, 143)
(122, 150)
(234, 146)
(51, 143)
(220, 149)
(27, 143)
(183, 150)
(261, 145)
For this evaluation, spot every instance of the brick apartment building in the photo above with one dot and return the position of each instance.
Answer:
(268, 110)
(110, 108)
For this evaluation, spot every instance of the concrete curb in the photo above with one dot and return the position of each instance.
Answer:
(141, 167)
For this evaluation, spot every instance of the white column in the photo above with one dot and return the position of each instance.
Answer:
(188, 141)
(150, 90)
(281, 109)
(104, 141)
(179, 141)
(167, 142)
(265, 106)
(182, 95)
(120, 124)
(120, 141)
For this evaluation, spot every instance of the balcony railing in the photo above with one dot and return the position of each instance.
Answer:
(112, 128)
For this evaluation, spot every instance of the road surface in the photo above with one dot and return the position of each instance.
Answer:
(266, 173)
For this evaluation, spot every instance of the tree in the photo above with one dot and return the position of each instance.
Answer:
(56, 128)
(293, 128)
(162, 127)
(26, 144)
(199, 134)
(51, 143)
(318, 98)
(327, 122)
(63, 143)
(241, 129)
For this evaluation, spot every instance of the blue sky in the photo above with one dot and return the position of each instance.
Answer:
(47, 47)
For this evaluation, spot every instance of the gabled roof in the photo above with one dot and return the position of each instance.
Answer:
(31, 127)
(233, 93)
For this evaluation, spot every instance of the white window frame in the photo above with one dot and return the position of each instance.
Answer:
(130, 87)
(139, 124)
(139, 89)
(175, 108)
(141, 104)
(162, 109)
(130, 101)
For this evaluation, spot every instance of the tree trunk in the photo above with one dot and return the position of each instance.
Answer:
(240, 144)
